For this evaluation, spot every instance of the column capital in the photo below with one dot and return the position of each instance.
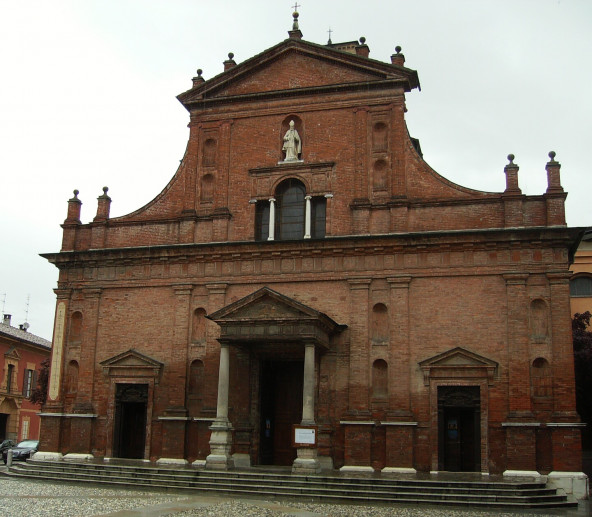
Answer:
(92, 292)
(559, 277)
(359, 283)
(515, 278)
(217, 288)
(399, 282)
(182, 289)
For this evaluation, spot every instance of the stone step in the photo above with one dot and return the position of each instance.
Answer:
(318, 488)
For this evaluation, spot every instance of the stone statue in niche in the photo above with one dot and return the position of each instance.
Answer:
(292, 144)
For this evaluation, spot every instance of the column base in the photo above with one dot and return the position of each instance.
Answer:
(573, 483)
(306, 462)
(220, 446)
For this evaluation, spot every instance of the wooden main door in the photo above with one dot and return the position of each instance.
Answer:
(129, 436)
(281, 408)
(459, 428)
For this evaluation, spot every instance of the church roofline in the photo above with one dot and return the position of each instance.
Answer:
(404, 75)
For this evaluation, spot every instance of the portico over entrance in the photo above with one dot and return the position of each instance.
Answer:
(277, 332)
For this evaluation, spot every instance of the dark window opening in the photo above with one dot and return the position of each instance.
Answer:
(581, 286)
(262, 220)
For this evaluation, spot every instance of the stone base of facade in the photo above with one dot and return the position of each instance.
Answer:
(398, 470)
(531, 474)
(356, 468)
(199, 463)
(73, 456)
(326, 462)
(573, 483)
(241, 460)
(172, 461)
(47, 456)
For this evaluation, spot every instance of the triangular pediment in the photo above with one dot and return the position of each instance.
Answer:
(12, 353)
(457, 357)
(264, 304)
(458, 363)
(288, 65)
(132, 364)
(267, 315)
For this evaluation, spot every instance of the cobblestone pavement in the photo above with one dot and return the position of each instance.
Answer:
(28, 498)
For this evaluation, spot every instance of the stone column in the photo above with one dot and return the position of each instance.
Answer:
(308, 390)
(271, 219)
(221, 437)
(307, 461)
(307, 217)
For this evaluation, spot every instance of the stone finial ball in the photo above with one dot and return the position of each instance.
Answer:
(398, 49)
(199, 72)
(511, 158)
(552, 155)
(295, 14)
(362, 40)
(105, 189)
(230, 55)
(76, 192)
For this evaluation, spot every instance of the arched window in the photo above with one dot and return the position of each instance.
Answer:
(75, 335)
(379, 380)
(209, 153)
(207, 188)
(539, 321)
(380, 327)
(295, 214)
(72, 377)
(379, 136)
(581, 286)
(290, 210)
(198, 330)
(541, 379)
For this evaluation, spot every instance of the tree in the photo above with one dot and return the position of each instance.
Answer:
(39, 395)
(582, 344)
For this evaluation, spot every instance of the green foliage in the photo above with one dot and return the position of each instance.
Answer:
(39, 395)
(582, 344)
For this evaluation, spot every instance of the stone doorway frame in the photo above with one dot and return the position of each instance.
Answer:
(130, 367)
(463, 368)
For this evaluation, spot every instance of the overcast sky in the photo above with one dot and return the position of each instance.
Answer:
(87, 99)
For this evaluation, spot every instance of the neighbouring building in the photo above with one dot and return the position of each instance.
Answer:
(307, 291)
(581, 281)
(22, 354)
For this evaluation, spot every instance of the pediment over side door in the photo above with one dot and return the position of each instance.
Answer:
(268, 316)
(132, 364)
(458, 363)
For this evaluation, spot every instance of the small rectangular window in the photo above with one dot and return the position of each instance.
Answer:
(262, 220)
(28, 383)
(318, 216)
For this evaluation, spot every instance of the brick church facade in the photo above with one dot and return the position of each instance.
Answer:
(307, 291)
